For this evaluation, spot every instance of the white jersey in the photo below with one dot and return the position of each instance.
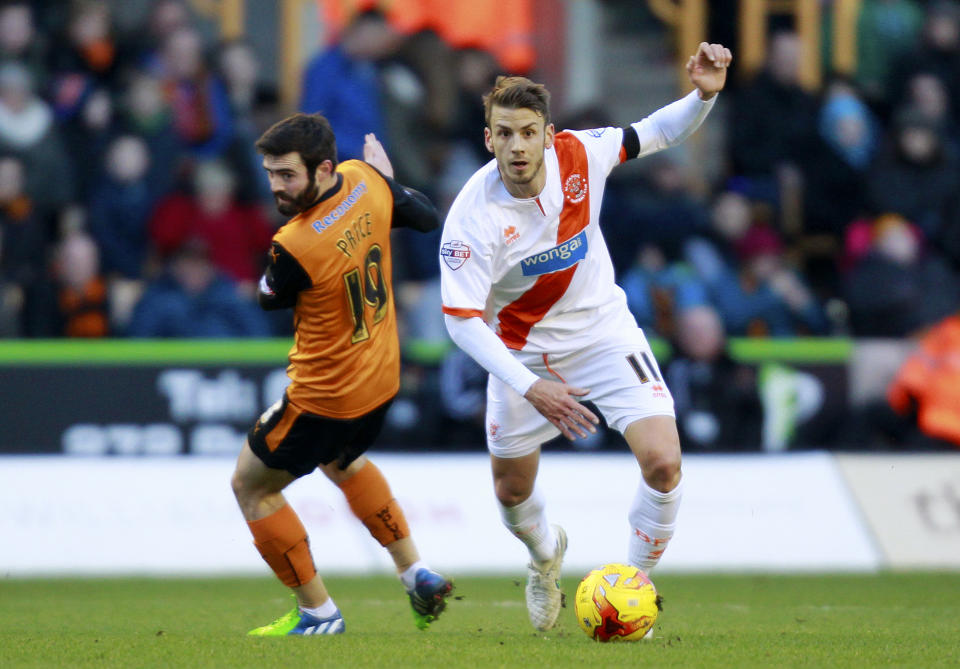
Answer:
(538, 270)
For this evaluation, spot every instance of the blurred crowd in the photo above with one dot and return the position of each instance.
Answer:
(132, 204)
(131, 201)
(836, 212)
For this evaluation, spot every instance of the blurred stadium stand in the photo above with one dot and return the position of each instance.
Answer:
(816, 212)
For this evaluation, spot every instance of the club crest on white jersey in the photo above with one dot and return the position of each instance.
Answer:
(575, 188)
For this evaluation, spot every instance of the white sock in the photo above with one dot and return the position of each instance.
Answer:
(325, 610)
(409, 576)
(528, 523)
(653, 516)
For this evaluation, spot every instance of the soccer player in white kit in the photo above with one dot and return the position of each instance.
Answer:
(528, 292)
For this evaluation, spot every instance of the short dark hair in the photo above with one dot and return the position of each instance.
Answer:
(310, 135)
(518, 93)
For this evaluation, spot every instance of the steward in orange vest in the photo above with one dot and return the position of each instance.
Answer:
(928, 382)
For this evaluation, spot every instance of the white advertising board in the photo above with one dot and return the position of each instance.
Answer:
(912, 505)
(177, 515)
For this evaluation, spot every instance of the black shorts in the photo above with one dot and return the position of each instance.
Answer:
(291, 439)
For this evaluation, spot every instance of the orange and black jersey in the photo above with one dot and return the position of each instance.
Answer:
(332, 264)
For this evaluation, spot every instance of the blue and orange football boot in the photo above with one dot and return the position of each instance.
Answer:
(429, 597)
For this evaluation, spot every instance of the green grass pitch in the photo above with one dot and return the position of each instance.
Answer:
(880, 620)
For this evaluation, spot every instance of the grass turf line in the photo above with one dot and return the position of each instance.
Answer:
(889, 619)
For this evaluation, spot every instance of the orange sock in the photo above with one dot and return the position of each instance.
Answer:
(282, 541)
(370, 499)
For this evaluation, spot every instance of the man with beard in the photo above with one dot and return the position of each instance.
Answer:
(331, 263)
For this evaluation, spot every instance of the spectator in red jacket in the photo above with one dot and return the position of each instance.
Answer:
(237, 235)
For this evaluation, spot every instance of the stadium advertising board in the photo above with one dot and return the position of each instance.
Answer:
(911, 504)
(772, 513)
(136, 397)
(134, 410)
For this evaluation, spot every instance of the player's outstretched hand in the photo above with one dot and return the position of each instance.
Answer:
(708, 68)
(374, 153)
(556, 402)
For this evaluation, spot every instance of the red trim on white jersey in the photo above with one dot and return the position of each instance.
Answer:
(550, 369)
(462, 313)
(541, 206)
(518, 318)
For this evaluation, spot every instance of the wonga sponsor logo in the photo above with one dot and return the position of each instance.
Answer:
(455, 253)
(559, 257)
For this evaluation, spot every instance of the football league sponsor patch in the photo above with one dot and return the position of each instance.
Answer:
(455, 253)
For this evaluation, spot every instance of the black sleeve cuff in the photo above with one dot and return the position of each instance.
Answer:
(631, 142)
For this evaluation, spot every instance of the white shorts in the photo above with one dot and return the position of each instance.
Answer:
(625, 385)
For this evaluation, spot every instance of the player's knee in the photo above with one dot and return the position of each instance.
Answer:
(511, 491)
(237, 485)
(661, 471)
(242, 488)
(252, 498)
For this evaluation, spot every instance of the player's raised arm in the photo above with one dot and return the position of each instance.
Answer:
(707, 69)
(671, 125)
(376, 155)
(411, 208)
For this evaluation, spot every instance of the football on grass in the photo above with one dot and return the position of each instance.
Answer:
(616, 602)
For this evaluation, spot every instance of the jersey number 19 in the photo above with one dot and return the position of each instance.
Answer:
(366, 288)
